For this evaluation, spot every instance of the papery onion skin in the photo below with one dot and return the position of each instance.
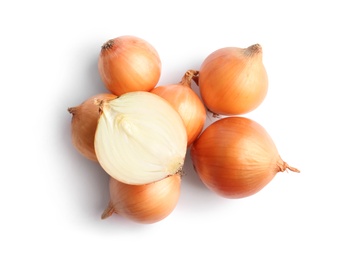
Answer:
(84, 123)
(235, 157)
(128, 63)
(146, 204)
(187, 103)
(233, 81)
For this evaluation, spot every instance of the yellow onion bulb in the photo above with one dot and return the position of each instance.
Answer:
(84, 124)
(187, 103)
(233, 80)
(128, 63)
(140, 138)
(235, 157)
(147, 203)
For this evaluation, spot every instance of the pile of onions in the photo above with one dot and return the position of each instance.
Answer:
(148, 203)
(128, 63)
(84, 124)
(190, 107)
(233, 80)
(235, 157)
(140, 132)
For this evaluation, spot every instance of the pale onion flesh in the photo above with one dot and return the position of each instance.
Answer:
(140, 138)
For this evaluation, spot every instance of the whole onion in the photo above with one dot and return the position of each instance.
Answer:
(235, 157)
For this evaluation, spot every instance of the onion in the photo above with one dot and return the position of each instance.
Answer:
(235, 157)
(187, 103)
(140, 138)
(84, 123)
(148, 203)
(233, 80)
(128, 63)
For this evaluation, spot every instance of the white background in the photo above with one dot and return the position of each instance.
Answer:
(51, 198)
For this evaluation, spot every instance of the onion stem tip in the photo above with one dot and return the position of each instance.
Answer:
(110, 210)
(293, 169)
(71, 110)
